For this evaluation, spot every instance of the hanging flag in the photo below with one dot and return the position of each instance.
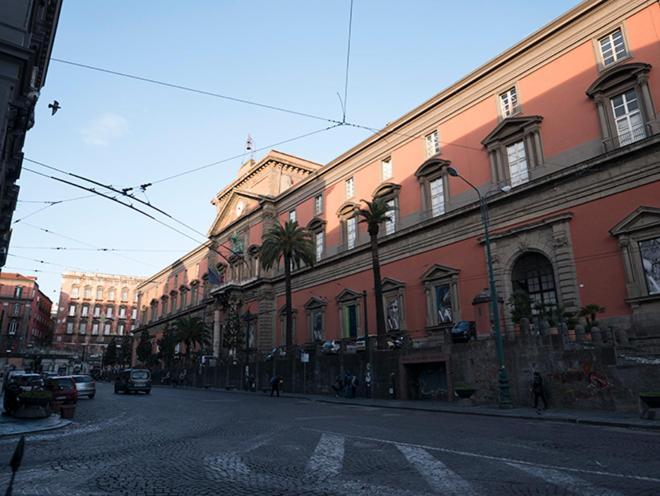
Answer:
(214, 277)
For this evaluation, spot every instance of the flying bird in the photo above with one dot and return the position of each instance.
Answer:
(55, 106)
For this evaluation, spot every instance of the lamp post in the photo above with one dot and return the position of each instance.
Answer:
(503, 376)
(369, 375)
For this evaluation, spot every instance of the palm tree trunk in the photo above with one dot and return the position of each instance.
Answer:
(381, 337)
(287, 302)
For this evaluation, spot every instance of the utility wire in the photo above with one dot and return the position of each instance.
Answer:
(32, 270)
(50, 263)
(195, 90)
(56, 201)
(348, 59)
(50, 204)
(69, 248)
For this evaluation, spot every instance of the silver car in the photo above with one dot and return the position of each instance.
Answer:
(85, 385)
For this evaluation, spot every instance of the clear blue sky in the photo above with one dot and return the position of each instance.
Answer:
(287, 53)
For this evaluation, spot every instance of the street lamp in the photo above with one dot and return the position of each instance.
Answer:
(503, 377)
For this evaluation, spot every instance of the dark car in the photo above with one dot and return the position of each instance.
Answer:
(463, 331)
(63, 389)
(133, 381)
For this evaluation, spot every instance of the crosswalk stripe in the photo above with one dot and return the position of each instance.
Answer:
(563, 480)
(327, 459)
(437, 474)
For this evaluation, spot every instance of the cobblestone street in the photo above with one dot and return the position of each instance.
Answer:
(189, 442)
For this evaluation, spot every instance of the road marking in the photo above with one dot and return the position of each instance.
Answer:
(437, 474)
(219, 401)
(565, 481)
(495, 458)
(327, 459)
(320, 417)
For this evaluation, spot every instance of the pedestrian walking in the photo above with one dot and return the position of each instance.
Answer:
(337, 386)
(275, 385)
(538, 392)
(354, 384)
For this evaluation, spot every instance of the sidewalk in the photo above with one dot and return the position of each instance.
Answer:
(587, 417)
(10, 426)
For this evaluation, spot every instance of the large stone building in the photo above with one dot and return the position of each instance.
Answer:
(559, 134)
(93, 308)
(25, 320)
(27, 32)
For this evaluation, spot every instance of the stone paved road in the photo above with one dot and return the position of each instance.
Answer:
(187, 442)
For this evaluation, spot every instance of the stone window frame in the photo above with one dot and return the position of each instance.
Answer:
(173, 302)
(440, 275)
(598, 54)
(318, 204)
(153, 307)
(111, 294)
(343, 299)
(640, 225)
(395, 289)
(99, 291)
(194, 292)
(316, 226)
(619, 78)
(383, 161)
(87, 290)
(313, 305)
(508, 132)
(498, 96)
(164, 305)
(124, 292)
(431, 169)
(253, 253)
(183, 301)
(294, 322)
(389, 191)
(75, 291)
(346, 211)
(251, 320)
(433, 132)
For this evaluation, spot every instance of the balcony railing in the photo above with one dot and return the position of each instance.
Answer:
(637, 133)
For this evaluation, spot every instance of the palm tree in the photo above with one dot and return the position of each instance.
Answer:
(191, 331)
(373, 215)
(294, 244)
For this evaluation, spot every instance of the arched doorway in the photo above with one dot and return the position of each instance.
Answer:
(533, 275)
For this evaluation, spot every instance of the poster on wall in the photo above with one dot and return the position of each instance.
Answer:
(317, 325)
(393, 315)
(650, 252)
(443, 304)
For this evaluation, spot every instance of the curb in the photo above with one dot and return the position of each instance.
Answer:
(61, 423)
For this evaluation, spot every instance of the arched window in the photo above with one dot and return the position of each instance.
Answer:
(533, 275)
(124, 294)
(99, 292)
(348, 219)
(88, 292)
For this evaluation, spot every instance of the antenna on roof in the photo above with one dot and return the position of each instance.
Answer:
(249, 146)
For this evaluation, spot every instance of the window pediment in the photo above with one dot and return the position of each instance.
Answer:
(389, 284)
(431, 166)
(348, 295)
(253, 250)
(510, 127)
(617, 75)
(315, 302)
(641, 218)
(439, 272)
(316, 224)
(386, 189)
(347, 209)
(282, 311)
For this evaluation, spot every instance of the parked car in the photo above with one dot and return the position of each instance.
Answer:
(17, 384)
(63, 389)
(85, 385)
(133, 381)
(9, 375)
(463, 331)
(330, 347)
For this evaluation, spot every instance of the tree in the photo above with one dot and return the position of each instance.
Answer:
(125, 350)
(295, 245)
(373, 215)
(110, 353)
(143, 350)
(192, 332)
(167, 346)
(589, 313)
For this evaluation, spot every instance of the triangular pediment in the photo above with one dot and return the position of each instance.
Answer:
(439, 272)
(510, 127)
(282, 311)
(615, 76)
(238, 204)
(389, 284)
(641, 218)
(348, 295)
(315, 302)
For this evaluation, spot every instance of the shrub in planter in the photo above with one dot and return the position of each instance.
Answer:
(464, 391)
(35, 398)
(652, 399)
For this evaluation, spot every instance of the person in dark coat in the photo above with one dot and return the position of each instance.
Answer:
(538, 392)
(275, 385)
(337, 386)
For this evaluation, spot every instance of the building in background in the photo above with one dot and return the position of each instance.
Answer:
(27, 32)
(25, 320)
(93, 308)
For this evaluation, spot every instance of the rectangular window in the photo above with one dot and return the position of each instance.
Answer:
(650, 252)
(628, 118)
(318, 204)
(108, 312)
(316, 316)
(292, 215)
(437, 197)
(72, 310)
(350, 187)
(69, 327)
(517, 159)
(88, 292)
(319, 241)
(18, 291)
(120, 329)
(111, 294)
(85, 311)
(193, 295)
(16, 310)
(351, 232)
(350, 321)
(432, 144)
(99, 293)
(97, 311)
(612, 47)
(106, 328)
(95, 328)
(75, 292)
(83, 328)
(390, 224)
(509, 102)
(173, 306)
(134, 313)
(122, 312)
(124, 294)
(386, 169)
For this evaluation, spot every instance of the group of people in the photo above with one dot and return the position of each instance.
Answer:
(175, 379)
(345, 386)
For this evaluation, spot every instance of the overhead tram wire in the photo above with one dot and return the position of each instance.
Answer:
(50, 204)
(110, 250)
(195, 90)
(50, 263)
(348, 60)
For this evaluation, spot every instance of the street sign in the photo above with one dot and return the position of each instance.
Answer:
(304, 357)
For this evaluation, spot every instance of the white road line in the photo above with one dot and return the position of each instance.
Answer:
(327, 459)
(491, 457)
(437, 474)
(565, 481)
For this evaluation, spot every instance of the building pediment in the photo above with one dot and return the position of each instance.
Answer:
(641, 218)
(315, 302)
(617, 75)
(389, 284)
(348, 295)
(238, 204)
(511, 126)
(439, 272)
